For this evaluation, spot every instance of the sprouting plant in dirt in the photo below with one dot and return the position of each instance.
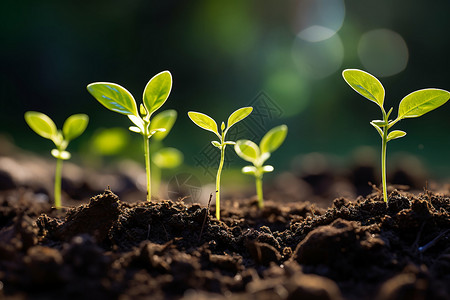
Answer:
(208, 123)
(412, 105)
(73, 127)
(118, 99)
(258, 155)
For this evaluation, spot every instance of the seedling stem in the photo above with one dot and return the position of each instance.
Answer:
(58, 175)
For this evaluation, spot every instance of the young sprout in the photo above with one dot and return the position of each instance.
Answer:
(118, 99)
(249, 151)
(413, 105)
(73, 127)
(207, 123)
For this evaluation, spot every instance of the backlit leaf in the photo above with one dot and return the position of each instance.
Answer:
(216, 144)
(250, 170)
(238, 115)
(64, 155)
(204, 121)
(41, 124)
(110, 141)
(135, 129)
(138, 122)
(396, 134)
(365, 84)
(157, 91)
(164, 119)
(168, 158)
(420, 102)
(113, 97)
(380, 132)
(273, 139)
(247, 150)
(74, 126)
(267, 169)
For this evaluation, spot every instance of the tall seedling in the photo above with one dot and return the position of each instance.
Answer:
(413, 105)
(73, 127)
(116, 98)
(208, 123)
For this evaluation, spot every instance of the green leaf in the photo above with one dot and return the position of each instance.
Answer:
(365, 84)
(74, 126)
(216, 144)
(164, 119)
(168, 158)
(238, 115)
(110, 141)
(64, 155)
(273, 139)
(377, 128)
(396, 134)
(267, 169)
(135, 129)
(379, 123)
(204, 121)
(41, 124)
(250, 170)
(157, 91)
(247, 150)
(138, 122)
(157, 130)
(262, 158)
(114, 97)
(420, 102)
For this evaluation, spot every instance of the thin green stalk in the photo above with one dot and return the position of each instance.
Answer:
(147, 167)
(58, 174)
(383, 162)
(219, 171)
(259, 191)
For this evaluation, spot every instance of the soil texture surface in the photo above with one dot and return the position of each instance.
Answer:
(109, 249)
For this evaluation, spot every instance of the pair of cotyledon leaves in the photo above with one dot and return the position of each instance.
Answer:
(116, 98)
(257, 155)
(206, 122)
(413, 105)
(44, 126)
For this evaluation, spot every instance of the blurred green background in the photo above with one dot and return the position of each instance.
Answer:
(285, 56)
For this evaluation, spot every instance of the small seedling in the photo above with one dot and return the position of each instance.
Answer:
(208, 123)
(116, 98)
(73, 127)
(258, 155)
(413, 105)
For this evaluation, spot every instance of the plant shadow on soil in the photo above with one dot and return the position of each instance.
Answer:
(108, 249)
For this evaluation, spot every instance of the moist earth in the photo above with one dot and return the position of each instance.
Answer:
(109, 249)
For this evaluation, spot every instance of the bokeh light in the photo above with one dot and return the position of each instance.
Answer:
(318, 59)
(383, 52)
(318, 20)
(288, 90)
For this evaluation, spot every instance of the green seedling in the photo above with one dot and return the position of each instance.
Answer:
(208, 123)
(258, 155)
(413, 105)
(73, 127)
(116, 98)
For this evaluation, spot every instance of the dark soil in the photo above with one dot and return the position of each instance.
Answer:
(108, 249)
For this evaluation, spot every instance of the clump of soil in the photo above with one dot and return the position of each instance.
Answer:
(108, 249)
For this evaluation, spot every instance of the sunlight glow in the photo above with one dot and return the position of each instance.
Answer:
(383, 52)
